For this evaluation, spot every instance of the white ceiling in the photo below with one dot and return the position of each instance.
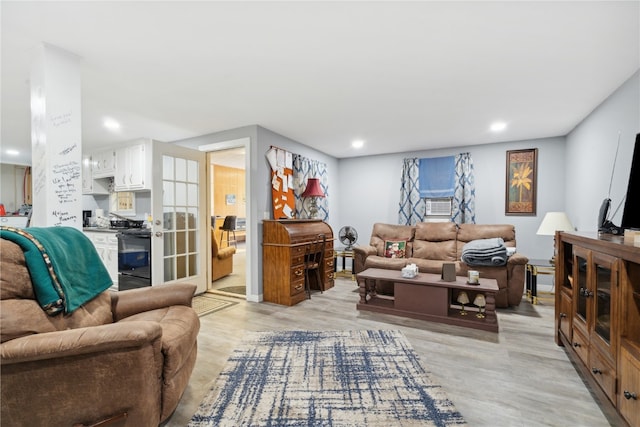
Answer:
(403, 76)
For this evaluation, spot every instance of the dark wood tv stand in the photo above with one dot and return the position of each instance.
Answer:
(597, 318)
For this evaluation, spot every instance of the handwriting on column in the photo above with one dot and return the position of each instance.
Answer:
(60, 119)
(66, 177)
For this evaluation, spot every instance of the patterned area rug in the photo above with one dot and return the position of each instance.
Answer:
(318, 378)
(207, 304)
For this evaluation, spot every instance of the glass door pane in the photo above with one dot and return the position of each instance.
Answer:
(180, 210)
(581, 287)
(603, 302)
(178, 191)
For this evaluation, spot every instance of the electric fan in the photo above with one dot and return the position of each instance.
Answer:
(348, 236)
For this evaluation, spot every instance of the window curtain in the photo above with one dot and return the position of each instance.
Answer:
(412, 206)
(303, 169)
(464, 198)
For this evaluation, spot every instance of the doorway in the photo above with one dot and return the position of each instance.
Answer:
(228, 211)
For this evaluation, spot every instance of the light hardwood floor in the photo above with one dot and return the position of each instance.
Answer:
(518, 377)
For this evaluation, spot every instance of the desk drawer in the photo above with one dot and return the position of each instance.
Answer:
(329, 261)
(297, 286)
(297, 259)
(296, 273)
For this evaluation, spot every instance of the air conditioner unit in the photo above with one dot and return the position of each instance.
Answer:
(438, 207)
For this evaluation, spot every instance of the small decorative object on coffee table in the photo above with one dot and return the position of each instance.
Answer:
(474, 277)
(410, 271)
(463, 299)
(481, 302)
(449, 272)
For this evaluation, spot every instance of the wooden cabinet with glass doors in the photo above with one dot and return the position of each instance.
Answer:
(598, 317)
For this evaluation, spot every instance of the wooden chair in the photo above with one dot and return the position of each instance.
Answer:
(313, 259)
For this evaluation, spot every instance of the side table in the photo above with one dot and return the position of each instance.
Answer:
(343, 253)
(533, 268)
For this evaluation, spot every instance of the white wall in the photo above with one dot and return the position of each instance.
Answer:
(372, 188)
(591, 149)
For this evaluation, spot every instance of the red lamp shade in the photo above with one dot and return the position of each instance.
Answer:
(313, 188)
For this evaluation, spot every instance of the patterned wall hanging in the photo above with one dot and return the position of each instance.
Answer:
(303, 169)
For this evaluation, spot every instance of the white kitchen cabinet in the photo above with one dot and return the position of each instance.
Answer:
(133, 167)
(87, 176)
(104, 164)
(90, 185)
(106, 244)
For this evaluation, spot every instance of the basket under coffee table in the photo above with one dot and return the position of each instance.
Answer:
(427, 297)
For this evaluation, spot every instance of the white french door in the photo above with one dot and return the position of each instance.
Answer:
(180, 230)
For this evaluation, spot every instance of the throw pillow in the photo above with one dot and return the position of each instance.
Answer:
(394, 248)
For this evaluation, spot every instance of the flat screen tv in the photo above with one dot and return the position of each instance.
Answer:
(631, 213)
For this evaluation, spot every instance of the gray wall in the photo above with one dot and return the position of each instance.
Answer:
(573, 175)
(591, 149)
(372, 188)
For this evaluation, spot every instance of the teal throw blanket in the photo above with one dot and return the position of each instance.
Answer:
(65, 268)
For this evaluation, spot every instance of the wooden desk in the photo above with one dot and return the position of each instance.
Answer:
(284, 244)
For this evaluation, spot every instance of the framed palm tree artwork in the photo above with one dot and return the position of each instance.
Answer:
(521, 182)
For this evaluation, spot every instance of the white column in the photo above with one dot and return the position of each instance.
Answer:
(56, 138)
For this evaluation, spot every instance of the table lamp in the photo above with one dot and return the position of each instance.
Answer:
(481, 302)
(552, 222)
(463, 299)
(313, 190)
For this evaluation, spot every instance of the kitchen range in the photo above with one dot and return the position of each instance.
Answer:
(124, 245)
(134, 252)
(134, 258)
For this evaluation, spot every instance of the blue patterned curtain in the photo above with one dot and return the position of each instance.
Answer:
(464, 199)
(411, 205)
(304, 168)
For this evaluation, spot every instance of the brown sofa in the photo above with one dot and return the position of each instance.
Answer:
(221, 259)
(125, 357)
(429, 245)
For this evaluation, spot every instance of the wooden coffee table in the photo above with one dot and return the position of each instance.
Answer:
(428, 297)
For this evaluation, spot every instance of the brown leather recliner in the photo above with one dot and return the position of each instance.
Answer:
(124, 356)
(221, 259)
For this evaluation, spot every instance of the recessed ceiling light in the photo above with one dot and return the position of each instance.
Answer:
(358, 143)
(498, 126)
(111, 124)
(12, 152)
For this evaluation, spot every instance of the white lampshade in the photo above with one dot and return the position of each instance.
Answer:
(480, 300)
(463, 298)
(554, 221)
